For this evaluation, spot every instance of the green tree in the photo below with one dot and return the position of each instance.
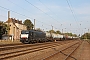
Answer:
(38, 29)
(85, 36)
(52, 31)
(69, 34)
(74, 35)
(58, 32)
(29, 24)
(3, 28)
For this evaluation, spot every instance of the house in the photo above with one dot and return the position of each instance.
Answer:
(15, 28)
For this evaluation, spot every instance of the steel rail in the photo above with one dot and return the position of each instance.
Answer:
(22, 46)
(58, 51)
(26, 51)
(69, 55)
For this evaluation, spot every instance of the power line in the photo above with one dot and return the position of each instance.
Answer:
(24, 9)
(30, 12)
(13, 11)
(72, 12)
(40, 9)
(18, 13)
(49, 9)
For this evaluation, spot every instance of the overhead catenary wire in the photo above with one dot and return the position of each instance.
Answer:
(38, 8)
(28, 10)
(71, 9)
(70, 6)
(54, 13)
(41, 10)
(50, 10)
(18, 13)
(13, 11)
(42, 23)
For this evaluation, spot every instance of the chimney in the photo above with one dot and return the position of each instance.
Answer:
(8, 15)
(20, 21)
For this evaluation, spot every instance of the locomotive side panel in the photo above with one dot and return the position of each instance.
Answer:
(31, 36)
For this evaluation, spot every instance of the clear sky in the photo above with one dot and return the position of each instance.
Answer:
(69, 15)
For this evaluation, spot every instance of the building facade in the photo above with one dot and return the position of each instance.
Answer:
(16, 27)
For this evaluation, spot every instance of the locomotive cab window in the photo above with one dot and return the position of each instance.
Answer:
(24, 32)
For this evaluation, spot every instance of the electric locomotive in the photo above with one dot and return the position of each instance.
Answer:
(31, 36)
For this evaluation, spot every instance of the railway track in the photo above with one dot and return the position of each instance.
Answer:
(16, 46)
(14, 51)
(68, 55)
(88, 41)
(65, 53)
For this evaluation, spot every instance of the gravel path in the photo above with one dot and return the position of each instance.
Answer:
(83, 52)
(86, 51)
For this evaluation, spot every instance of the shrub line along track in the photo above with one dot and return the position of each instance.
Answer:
(26, 51)
(67, 55)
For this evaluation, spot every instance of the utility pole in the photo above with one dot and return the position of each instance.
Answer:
(88, 30)
(52, 27)
(8, 22)
(62, 31)
(8, 15)
(34, 24)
